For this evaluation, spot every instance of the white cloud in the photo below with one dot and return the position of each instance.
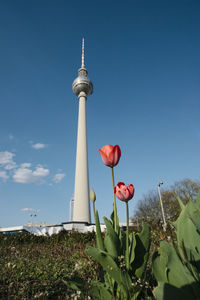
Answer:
(38, 146)
(27, 209)
(6, 158)
(25, 175)
(25, 165)
(40, 172)
(3, 175)
(10, 166)
(58, 177)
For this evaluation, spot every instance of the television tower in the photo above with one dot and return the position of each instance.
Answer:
(82, 87)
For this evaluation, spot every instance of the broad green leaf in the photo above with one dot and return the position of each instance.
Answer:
(112, 218)
(111, 268)
(99, 238)
(110, 246)
(198, 198)
(174, 272)
(112, 242)
(75, 284)
(109, 283)
(132, 247)
(194, 216)
(182, 206)
(136, 294)
(141, 250)
(187, 226)
(159, 265)
(99, 291)
(194, 264)
(165, 291)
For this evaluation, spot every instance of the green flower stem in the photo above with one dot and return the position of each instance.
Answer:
(114, 201)
(94, 210)
(127, 236)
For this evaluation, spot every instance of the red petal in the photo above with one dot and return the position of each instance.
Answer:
(107, 149)
(131, 189)
(116, 154)
(120, 184)
(104, 158)
(120, 195)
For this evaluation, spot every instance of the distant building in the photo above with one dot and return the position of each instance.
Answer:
(51, 229)
(13, 229)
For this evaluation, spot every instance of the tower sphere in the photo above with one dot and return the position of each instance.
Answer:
(82, 83)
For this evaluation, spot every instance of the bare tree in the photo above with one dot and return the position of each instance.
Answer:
(149, 206)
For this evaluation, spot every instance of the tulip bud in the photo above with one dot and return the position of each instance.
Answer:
(92, 195)
(9, 265)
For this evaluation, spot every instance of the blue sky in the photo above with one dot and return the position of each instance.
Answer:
(143, 59)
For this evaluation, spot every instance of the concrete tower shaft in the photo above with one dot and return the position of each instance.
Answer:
(82, 87)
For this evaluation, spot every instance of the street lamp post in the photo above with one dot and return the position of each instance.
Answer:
(32, 216)
(161, 204)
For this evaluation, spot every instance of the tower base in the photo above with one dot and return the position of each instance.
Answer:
(79, 226)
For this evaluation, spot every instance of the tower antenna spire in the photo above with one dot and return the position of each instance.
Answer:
(83, 57)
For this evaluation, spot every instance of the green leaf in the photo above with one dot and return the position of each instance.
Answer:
(99, 238)
(110, 247)
(76, 284)
(112, 219)
(168, 268)
(180, 266)
(194, 215)
(165, 291)
(159, 265)
(132, 247)
(182, 206)
(142, 250)
(187, 226)
(136, 294)
(99, 291)
(111, 241)
(110, 283)
(109, 265)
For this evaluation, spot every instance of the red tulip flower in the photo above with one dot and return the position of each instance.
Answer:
(110, 155)
(123, 192)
